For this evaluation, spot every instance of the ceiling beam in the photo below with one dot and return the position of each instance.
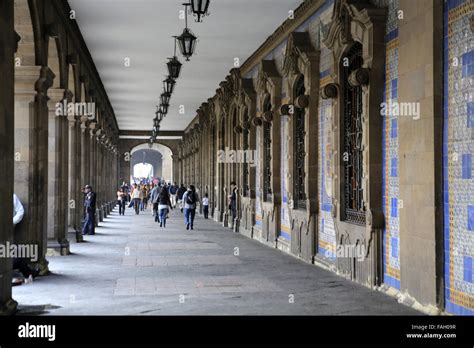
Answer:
(140, 133)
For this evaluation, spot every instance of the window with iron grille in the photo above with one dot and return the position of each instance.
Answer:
(245, 179)
(267, 154)
(299, 188)
(353, 204)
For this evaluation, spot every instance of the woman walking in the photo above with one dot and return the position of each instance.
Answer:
(121, 199)
(164, 204)
(137, 199)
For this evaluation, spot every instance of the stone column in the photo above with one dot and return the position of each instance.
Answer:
(57, 174)
(85, 165)
(75, 201)
(31, 156)
(93, 165)
(8, 45)
(420, 151)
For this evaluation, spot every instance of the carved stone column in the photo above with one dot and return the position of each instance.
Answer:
(57, 171)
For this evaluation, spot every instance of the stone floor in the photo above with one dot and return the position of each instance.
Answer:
(134, 267)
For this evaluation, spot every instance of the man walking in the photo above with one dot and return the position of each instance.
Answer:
(89, 209)
(233, 201)
(180, 194)
(190, 199)
(173, 191)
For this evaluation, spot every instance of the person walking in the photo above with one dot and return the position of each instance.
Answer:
(144, 197)
(154, 200)
(233, 201)
(137, 199)
(121, 200)
(164, 204)
(205, 206)
(190, 199)
(89, 209)
(179, 195)
(173, 191)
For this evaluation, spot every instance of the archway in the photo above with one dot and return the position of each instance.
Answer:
(151, 162)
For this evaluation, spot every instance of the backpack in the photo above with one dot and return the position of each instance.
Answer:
(190, 198)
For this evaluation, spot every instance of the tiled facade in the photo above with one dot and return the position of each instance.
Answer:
(391, 238)
(458, 149)
(391, 228)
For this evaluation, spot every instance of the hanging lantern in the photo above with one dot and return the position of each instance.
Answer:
(165, 98)
(174, 65)
(168, 85)
(187, 40)
(164, 108)
(199, 8)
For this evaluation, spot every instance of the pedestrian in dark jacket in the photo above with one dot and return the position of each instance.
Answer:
(164, 204)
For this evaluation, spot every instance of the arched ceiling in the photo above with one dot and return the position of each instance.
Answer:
(141, 30)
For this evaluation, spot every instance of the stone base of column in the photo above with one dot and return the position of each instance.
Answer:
(217, 215)
(101, 214)
(75, 235)
(236, 226)
(225, 220)
(97, 217)
(42, 266)
(104, 211)
(9, 307)
(58, 247)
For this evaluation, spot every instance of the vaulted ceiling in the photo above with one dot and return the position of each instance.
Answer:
(141, 30)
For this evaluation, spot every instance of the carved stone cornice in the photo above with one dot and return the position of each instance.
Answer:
(298, 45)
(267, 71)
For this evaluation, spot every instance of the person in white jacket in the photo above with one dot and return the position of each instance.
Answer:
(18, 210)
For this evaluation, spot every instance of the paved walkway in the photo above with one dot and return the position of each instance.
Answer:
(134, 267)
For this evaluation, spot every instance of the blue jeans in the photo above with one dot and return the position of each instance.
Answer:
(163, 213)
(89, 224)
(189, 216)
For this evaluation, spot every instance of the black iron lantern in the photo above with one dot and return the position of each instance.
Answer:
(174, 65)
(165, 98)
(187, 40)
(199, 8)
(168, 85)
(164, 108)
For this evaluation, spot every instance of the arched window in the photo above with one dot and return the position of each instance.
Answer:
(353, 205)
(267, 154)
(299, 153)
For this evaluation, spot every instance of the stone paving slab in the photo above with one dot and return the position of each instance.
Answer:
(132, 267)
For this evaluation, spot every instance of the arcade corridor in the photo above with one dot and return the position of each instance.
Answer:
(133, 267)
(331, 141)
